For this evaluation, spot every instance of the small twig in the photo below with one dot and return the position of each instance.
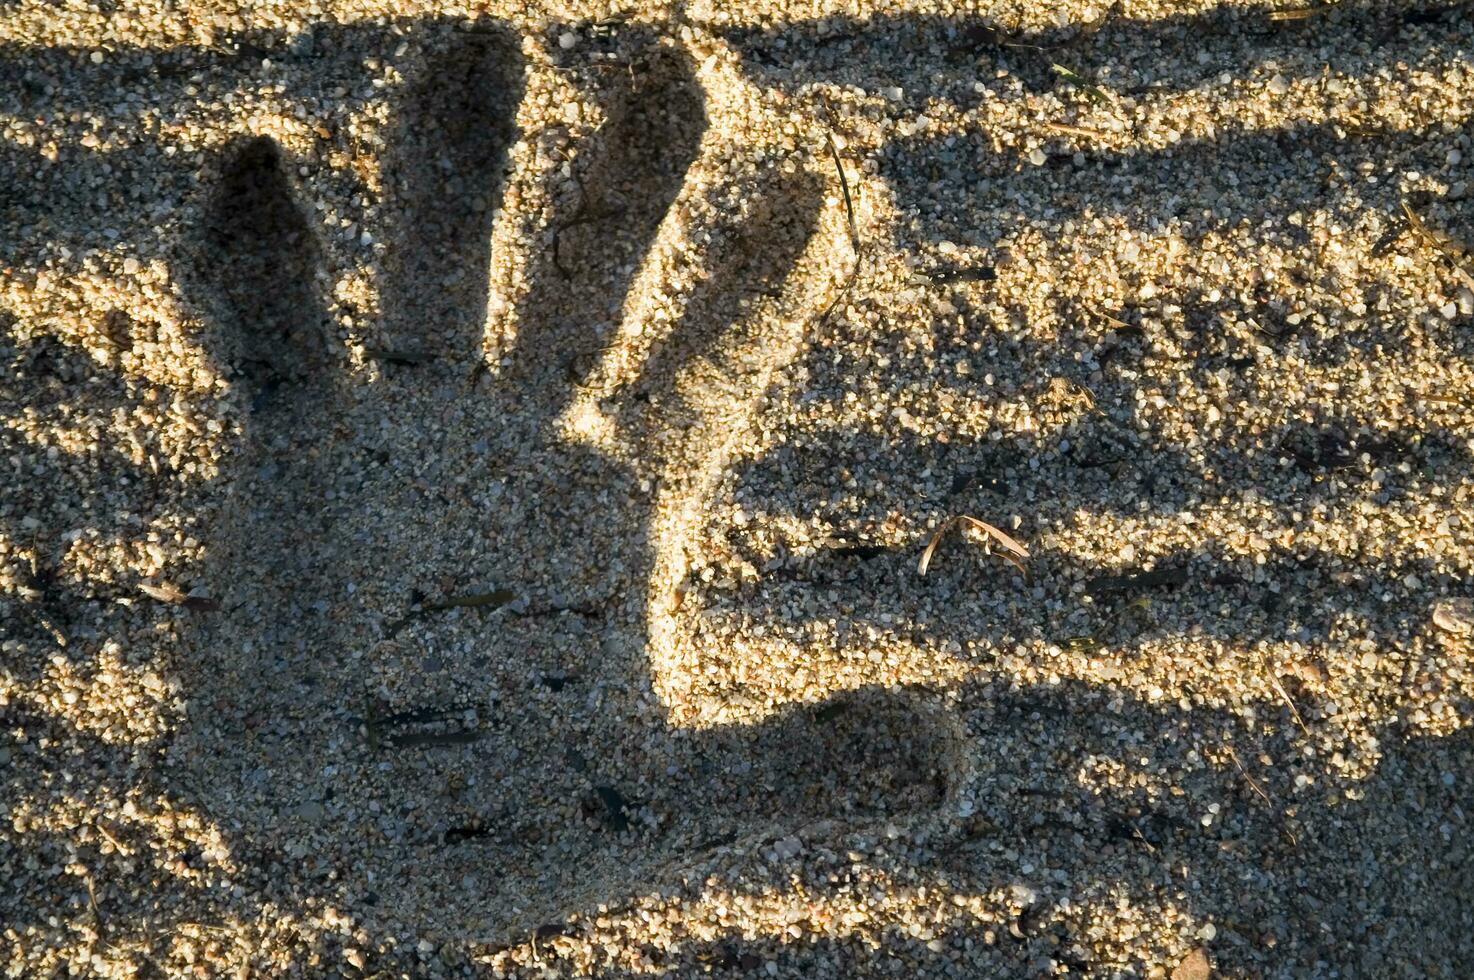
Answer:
(381, 730)
(844, 188)
(117, 844)
(1245, 773)
(92, 902)
(479, 600)
(849, 210)
(942, 276)
(407, 358)
(41, 585)
(497, 598)
(583, 214)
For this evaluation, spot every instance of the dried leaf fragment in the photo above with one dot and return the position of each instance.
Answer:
(164, 593)
(1013, 551)
(51, 626)
(172, 595)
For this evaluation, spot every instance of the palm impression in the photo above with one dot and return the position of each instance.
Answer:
(508, 675)
(564, 548)
(464, 487)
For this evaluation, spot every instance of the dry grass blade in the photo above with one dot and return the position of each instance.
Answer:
(1299, 14)
(931, 546)
(1453, 249)
(1014, 551)
(1075, 78)
(1015, 561)
(1417, 225)
(1294, 711)
(500, 597)
(1065, 129)
(207, 927)
(422, 740)
(408, 729)
(1002, 538)
(1115, 322)
(478, 600)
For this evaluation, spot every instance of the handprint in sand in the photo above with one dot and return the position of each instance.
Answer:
(454, 568)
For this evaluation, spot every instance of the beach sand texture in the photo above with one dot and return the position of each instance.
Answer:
(467, 470)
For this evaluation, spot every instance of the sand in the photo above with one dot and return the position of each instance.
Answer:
(467, 471)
